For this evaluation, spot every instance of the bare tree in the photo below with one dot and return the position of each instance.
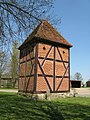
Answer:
(14, 63)
(78, 76)
(3, 63)
(3, 58)
(19, 17)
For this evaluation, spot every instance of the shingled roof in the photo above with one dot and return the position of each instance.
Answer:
(45, 31)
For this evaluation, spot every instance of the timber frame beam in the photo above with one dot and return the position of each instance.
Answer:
(54, 68)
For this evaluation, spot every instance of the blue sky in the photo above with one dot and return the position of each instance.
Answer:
(75, 27)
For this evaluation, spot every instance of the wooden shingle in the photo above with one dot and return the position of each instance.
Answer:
(46, 32)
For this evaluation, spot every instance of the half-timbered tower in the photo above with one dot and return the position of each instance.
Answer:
(44, 61)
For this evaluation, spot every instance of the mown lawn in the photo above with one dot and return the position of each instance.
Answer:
(15, 107)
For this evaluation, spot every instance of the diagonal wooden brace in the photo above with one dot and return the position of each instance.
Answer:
(44, 75)
(46, 56)
(62, 78)
(61, 57)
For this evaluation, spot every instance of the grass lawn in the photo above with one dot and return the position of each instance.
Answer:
(15, 107)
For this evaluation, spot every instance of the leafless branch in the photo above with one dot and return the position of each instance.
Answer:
(19, 17)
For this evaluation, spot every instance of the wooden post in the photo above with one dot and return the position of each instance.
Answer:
(35, 67)
(54, 69)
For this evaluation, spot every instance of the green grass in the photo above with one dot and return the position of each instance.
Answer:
(15, 107)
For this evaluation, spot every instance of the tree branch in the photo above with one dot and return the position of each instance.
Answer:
(6, 3)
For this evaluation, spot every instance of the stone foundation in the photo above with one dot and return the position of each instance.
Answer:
(50, 96)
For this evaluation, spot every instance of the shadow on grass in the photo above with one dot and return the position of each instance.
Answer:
(14, 107)
(75, 111)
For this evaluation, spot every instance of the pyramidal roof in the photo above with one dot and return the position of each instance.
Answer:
(45, 31)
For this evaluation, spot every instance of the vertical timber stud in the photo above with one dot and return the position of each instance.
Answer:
(19, 72)
(69, 67)
(25, 71)
(35, 67)
(25, 90)
(54, 69)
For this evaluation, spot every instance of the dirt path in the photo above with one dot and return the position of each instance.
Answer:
(83, 92)
(7, 90)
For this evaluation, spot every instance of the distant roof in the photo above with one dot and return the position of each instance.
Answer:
(45, 31)
(75, 80)
(88, 81)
